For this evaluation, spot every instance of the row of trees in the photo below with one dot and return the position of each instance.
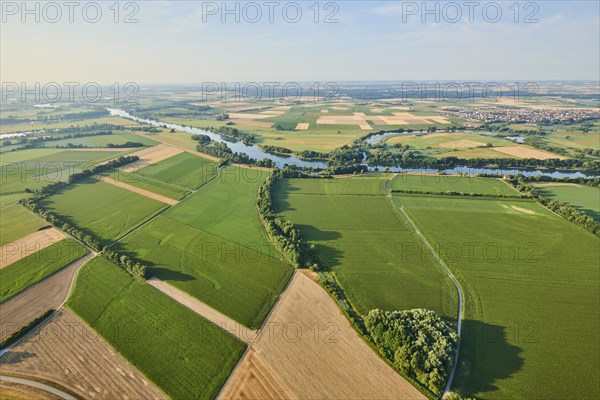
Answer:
(125, 145)
(135, 268)
(417, 342)
(565, 210)
(452, 193)
(281, 232)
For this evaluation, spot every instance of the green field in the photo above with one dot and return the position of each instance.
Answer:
(226, 207)
(452, 183)
(372, 251)
(582, 197)
(165, 189)
(184, 170)
(29, 270)
(36, 168)
(17, 222)
(101, 209)
(183, 354)
(531, 284)
(241, 281)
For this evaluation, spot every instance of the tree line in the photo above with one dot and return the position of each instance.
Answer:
(453, 193)
(284, 234)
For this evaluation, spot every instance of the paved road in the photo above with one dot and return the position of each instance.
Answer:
(447, 271)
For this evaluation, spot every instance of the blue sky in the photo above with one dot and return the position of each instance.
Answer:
(186, 42)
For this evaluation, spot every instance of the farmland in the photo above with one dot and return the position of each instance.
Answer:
(183, 354)
(324, 358)
(448, 140)
(35, 168)
(53, 352)
(526, 291)
(183, 169)
(373, 253)
(164, 189)
(35, 267)
(239, 280)
(117, 138)
(101, 209)
(452, 183)
(17, 222)
(584, 198)
(226, 207)
(48, 294)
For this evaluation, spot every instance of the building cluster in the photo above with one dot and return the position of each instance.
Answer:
(530, 115)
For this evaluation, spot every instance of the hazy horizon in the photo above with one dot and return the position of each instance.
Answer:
(187, 43)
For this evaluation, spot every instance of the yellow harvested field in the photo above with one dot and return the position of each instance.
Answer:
(254, 378)
(151, 155)
(49, 294)
(65, 351)
(325, 111)
(376, 110)
(135, 189)
(30, 244)
(460, 144)
(299, 361)
(302, 126)
(528, 152)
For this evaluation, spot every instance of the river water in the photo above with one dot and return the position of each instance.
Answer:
(280, 161)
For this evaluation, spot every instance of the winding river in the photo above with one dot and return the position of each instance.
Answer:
(280, 161)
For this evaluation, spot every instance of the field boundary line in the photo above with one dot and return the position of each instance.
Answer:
(448, 273)
(207, 312)
(137, 190)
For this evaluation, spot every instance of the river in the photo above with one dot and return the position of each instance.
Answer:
(280, 161)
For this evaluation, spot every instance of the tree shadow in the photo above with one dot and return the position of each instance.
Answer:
(15, 357)
(322, 246)
(486, 357)
(165, 274)
(281, 195)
